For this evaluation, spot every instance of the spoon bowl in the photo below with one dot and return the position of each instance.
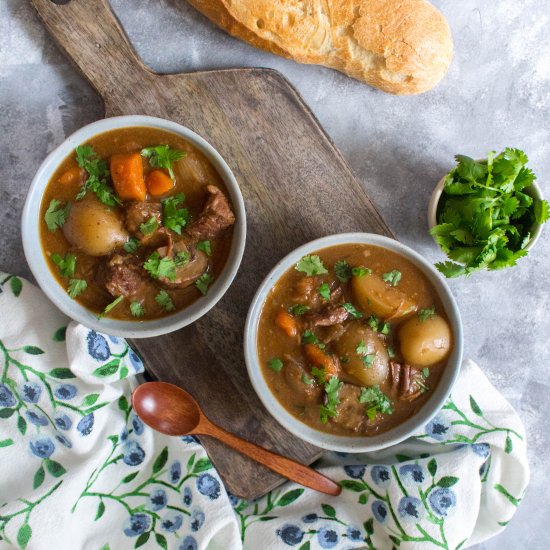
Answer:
(170, 410)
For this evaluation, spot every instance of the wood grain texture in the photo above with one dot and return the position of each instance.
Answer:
(296, 187)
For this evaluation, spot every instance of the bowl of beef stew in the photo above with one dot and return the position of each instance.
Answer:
(353, 342)
(134, 226)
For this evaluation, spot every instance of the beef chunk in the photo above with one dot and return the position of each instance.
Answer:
(215, 217)
(333, 315)
(294, 373)
(140, 212)
(122, 275)
(406, 381)
(351, 413)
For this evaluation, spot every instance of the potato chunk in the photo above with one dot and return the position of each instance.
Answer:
(376, 297)
(94, 227)
(365, 356)
(425, 343)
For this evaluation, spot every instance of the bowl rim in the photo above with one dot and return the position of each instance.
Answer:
(40, 269)
(353, 443)
(533, 190)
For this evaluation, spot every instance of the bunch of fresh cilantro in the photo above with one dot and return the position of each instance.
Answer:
(485, 213)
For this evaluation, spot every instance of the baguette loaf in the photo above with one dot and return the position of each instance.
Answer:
(398, 46)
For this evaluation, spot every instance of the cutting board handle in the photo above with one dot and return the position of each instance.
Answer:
(92, 37)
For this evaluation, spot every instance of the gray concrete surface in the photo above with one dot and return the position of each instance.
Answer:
(496, 94)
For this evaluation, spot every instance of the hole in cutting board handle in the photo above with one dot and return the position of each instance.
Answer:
(60, 2)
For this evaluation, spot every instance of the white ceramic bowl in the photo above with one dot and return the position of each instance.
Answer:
(349, 443)
(46, 280)
(533, 191)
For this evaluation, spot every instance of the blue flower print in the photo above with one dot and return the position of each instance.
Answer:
(63, 440)
(412, 474)
(7, 398)
(86, 424)
(171, 522)
(188, 497)
(290, 534)
(175, 471)
(188, 543)
(380, 511)
(410, 508)
(65, 392)
(38, 419)
(481, 449)
(353, 533)
(137, 424)
(328, 538)
(113, 339)
(442, 501)
(157, 500)
(136, 524)
(135, 361)
(133, 454)
(197, 519)
(380, 475)
(232, 498)
(438, 428)
(188, 439)
(42, 447)
(63, 422)
(98, 347)
(31, 392)
(310, 518)
(124, 434)
(356, 472)
(208, 486)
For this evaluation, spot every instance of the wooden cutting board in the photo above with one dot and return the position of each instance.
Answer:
(296, 186)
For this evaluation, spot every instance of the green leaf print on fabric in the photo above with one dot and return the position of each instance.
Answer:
(16, 285)
(59, 334)
(515, 501)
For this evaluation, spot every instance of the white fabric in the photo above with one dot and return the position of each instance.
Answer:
(78, 469)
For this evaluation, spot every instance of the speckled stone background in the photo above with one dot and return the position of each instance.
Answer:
(496, 94)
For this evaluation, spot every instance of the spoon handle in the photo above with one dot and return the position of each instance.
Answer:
(304, 475)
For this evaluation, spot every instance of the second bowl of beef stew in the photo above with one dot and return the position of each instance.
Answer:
(134, 226)
(353, 342)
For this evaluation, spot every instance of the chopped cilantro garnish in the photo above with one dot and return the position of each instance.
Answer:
(298, 309)
(174, 218)
(110, 306)
(332, 388)
(307, 380)
(344, 359)
(362, 348)
(66, 265)
(56, 214)
(324, 291)
(97, 170)
(137, 309)
(320, 374)
(391, 352)
(342, 270)
(182, 258)
(373, 322)
(368, 359)
(425, 314)
(350, 308)
(203, 282)
(385, 328)
(309, 337)
(311, 265)
(378, 325)
(393, 277)
(76, 287)
(275, 364)
(376, 400)
(160, 267)
(163, 156)
(361, 271)
(205, 246)
(150, 226)
(131, 246)
(485, 213)
(425, 372)
(164, 301)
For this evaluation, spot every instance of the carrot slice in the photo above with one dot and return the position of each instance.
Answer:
(318, 358)
(71, 176)
(127, 174)
(158, 183)
(286, 323)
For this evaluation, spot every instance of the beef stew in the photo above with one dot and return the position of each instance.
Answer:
(353, 339)
(136, 224)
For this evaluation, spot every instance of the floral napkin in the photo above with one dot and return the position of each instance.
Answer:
(79, 470)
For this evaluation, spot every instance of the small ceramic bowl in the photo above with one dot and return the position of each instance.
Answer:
(350, 443)
(38, 264)
(533, 191)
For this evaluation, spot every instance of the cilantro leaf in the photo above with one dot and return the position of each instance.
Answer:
(110, 306)
(275, 364)
(450, 269)
(205, 246)
(150, 226)
(137, 309)
(320, 374)
(182, 258)
(342, 270)
(360, 271)
(378, 326)
(76, 287)
(332, 389)
(307, 380)
(309, 337)
(131, 245)
(158, 267)
(376, 401)
(164, 301)
(324, 291)
(425, 314)
(298, 309)
(203, 282)
(542, 210)
(393, 277)
(350, 308)
(174, 218)
(311, 265)
(66, 265)
(163, 156)
(56, 214)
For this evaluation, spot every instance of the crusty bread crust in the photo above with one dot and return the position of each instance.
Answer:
(398, 46)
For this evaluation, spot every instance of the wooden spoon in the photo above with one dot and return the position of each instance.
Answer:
(172, 411)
